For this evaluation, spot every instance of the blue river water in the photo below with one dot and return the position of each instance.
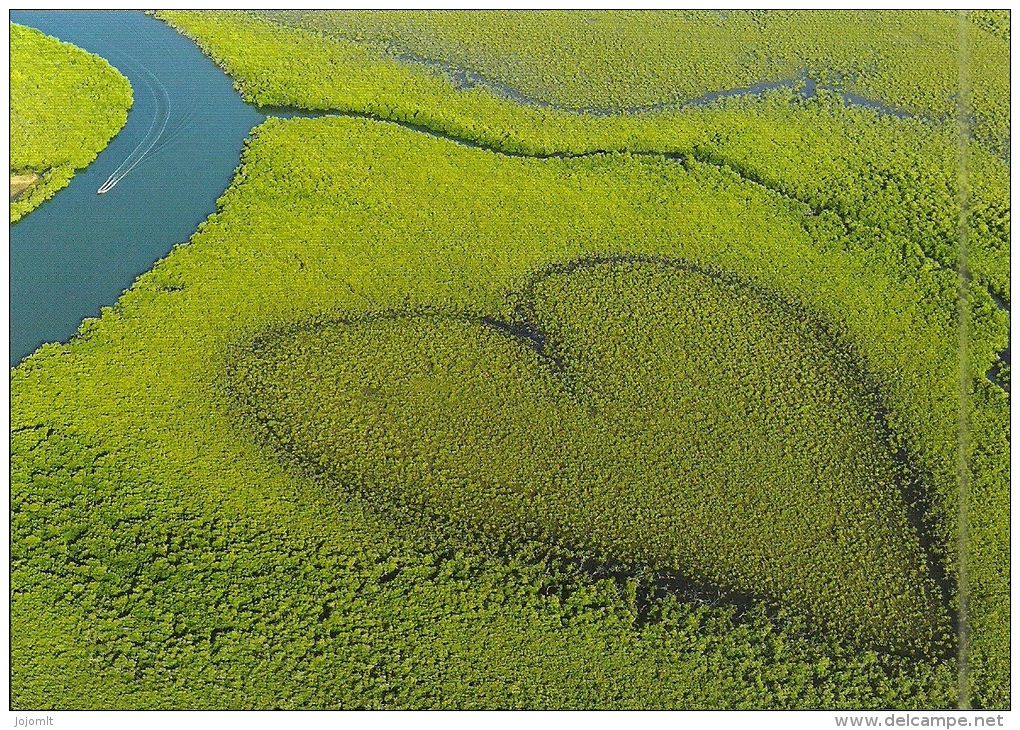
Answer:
(78, 251)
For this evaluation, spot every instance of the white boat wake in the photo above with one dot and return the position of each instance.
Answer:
(155, 132)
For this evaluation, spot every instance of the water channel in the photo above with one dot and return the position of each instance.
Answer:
(79, 250)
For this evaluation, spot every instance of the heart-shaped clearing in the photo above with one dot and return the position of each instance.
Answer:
(647, 412)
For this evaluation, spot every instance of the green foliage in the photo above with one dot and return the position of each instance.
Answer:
(673, 419)
(994, 21)
(286, 609)
(162, 557)
(881, 175)
(66, 105)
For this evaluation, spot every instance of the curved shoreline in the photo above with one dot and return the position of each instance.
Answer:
(78, 252)
(464, 79)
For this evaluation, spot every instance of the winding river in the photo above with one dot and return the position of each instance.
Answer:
(184, 133)
(162, 174)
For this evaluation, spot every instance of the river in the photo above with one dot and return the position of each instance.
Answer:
(79, 250)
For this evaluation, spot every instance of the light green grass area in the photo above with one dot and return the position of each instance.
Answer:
(503, 406)
(624, 60)
(66, 105)
(885, 175)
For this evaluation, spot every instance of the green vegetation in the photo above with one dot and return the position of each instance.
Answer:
(626, 60)
(669, 411)
(881, 175)
(769, 300)
(66, 105)
(994, 21)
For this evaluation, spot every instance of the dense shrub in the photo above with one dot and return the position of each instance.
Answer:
(671, 419)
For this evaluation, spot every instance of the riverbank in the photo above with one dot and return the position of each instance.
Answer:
(66, 106)
(21, 183)
(163, 557)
